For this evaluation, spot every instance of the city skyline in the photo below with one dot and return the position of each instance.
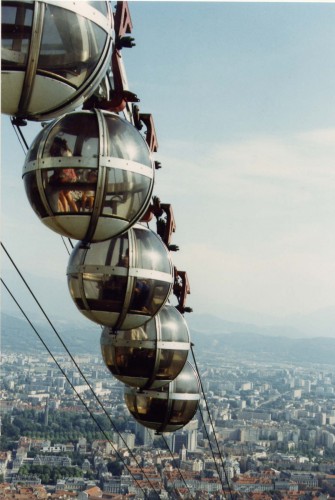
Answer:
(243, 103)
(267, 415)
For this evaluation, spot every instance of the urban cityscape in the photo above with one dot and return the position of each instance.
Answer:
(264, 430)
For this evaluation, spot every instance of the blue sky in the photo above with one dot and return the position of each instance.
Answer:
(243, 99)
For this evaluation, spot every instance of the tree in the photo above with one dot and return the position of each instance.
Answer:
(115, 467)
(90, 475)
(11, 431)
(23, 470)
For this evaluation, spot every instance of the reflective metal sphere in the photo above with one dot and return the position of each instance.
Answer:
(169, 408)
(53, 55)
(150, 356)
(89, 175)
(122, 282)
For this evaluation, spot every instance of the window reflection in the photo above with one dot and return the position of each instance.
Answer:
(33, 194)
(126, 193)
(125, 142)
(141, 297)
(151, 254)
(157, 409)
(71, 45)
(100, 6)
(16, 22)
(113, 289)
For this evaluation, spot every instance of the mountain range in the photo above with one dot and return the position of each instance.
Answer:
(209, 334)
(319, 323)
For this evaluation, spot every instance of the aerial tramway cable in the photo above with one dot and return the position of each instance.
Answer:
(63, 239)
(92, 390)
(178, 468)
(20, 136)
(74, 361)
(212, 426)
(68, 380)
(23, 141)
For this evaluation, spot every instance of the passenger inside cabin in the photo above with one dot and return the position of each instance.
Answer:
(66, 197)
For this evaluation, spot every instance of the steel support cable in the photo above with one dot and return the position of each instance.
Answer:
(68, 380)
(22, 139)
(213, 453)
(63, 240)
(23, 143)
(178, 468)
(75, 363)
(20, 136)
(211, 422)
(70, 243)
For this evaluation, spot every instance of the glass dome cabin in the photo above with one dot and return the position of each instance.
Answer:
(53, 55)
(150, 356)
(89, 175)
(122, 282)
(169, 408)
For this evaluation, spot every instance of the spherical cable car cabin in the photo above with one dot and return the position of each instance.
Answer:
(53, 55)
(149, 356)
(89, 175)
(122, 282)
(169, 408)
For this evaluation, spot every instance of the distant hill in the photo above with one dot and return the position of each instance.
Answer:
(319, 323)
(218, 339)
(55, 298)
(214, 324)
(274, 342)
(18, 336)
(253, 346)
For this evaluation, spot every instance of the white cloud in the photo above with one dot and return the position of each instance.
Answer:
(255, 221)
(323, 137)
(304, 158)
(280, 283)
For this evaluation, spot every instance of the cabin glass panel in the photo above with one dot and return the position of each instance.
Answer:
(134, 361)
(71, 189)
(71, 45)
(125, 142)
(33, 194)
(148, 296)
(16, 23)
(112, 291)
(125, 194)
(147, 409)
(183, 411)
(113, 252)
(75, 287)
(100, 6)
(173, 325)
(150, 253)
(157, 410)
(171, 363)
(81, 133)
(160, 292)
